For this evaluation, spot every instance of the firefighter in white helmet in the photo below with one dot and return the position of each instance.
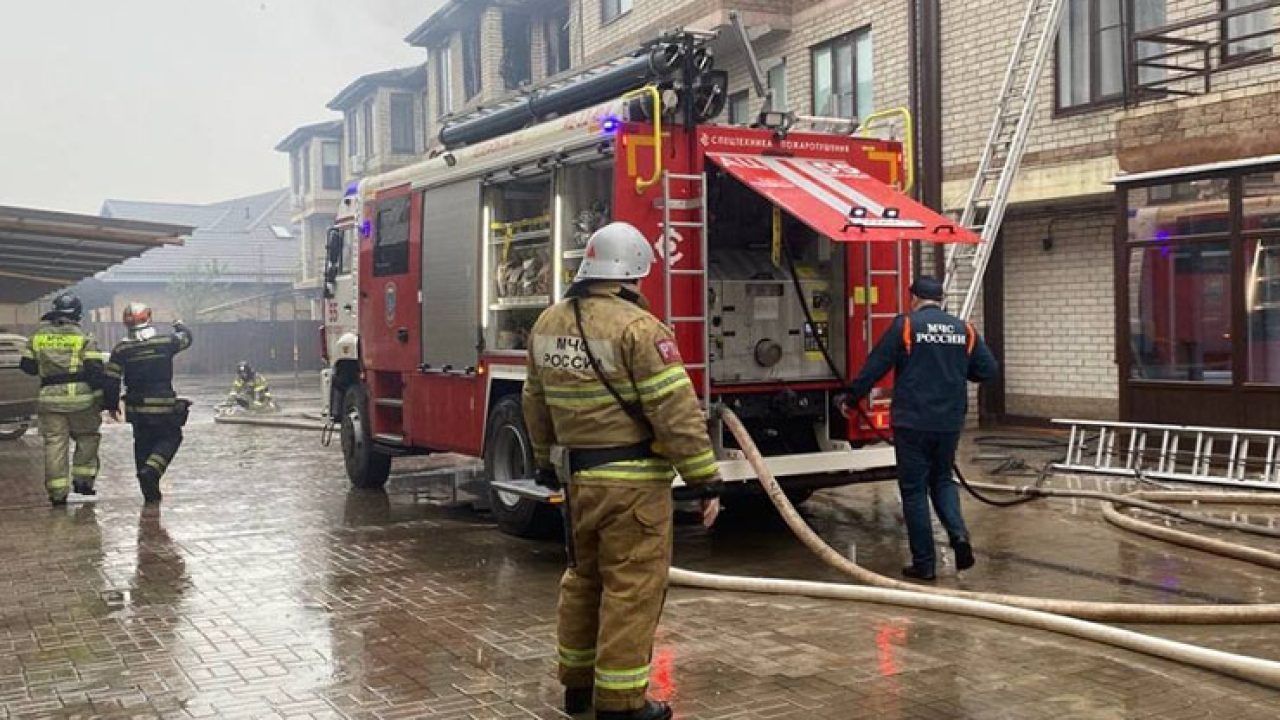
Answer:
(144, 361)
(613, 416)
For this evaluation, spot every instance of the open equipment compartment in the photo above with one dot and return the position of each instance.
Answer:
(765, 268)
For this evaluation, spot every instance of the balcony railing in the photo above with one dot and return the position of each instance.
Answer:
(1182, 58)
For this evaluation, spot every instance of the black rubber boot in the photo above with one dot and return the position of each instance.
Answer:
(652, 710)
(150, 485)
(82, 487)
(58, 502)
(911, 571)
(577, 700)
(964, 554)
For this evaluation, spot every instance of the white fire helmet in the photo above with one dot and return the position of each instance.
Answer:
(617, 251)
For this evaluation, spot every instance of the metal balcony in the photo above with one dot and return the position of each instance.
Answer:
(1182, 58)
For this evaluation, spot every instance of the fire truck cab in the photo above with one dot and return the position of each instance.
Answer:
(781, 256)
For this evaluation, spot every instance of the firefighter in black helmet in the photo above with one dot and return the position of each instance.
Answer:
(70, 368)
(144, 361)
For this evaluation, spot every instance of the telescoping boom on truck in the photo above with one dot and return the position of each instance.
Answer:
(774, 246)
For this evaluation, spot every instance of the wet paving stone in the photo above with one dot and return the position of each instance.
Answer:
(265, 588)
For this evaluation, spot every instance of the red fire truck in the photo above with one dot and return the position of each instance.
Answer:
(777, 250)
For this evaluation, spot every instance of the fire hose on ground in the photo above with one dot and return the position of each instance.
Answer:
(1067, 617)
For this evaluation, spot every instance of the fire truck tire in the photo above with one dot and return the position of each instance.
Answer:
(508, 455)
(366, 466)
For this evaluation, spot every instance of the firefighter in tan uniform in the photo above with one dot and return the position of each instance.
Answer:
(612, 419)
(70, 406)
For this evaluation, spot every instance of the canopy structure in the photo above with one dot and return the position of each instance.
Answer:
(42, 251)
(840, 201)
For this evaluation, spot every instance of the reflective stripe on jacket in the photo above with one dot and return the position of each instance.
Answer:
(565, 402)
(62, 349)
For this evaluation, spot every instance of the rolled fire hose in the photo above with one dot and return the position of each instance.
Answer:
(1039, 613)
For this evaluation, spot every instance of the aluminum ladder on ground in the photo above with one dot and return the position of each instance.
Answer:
(692, 203)
(1212, 455)
(988, 198)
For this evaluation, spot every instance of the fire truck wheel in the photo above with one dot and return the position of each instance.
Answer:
(508, 455)
(366, 467)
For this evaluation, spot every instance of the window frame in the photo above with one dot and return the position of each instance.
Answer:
(1225, 56)
(555, 32)
(352, 134)
(779, 99)
(851, 38)
(443, 81)
(744, 97)
(1127, 14)
(624, 8)
(335, 166)
(407, 105)
(472, 43)
(398, 264)
(366, 127)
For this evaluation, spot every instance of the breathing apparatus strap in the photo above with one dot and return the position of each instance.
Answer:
(633, 409)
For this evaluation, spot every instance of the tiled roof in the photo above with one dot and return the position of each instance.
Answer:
(240, 235)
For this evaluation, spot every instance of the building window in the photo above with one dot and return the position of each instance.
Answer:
(1261, 235)
(471, 62)
(1180, 282)
(777, 80)
(295, 171)
(391, 244)
(403, 138)
(517, 50)
(842, 76)
(611, 10)
(555, 39)
(353, 147)
(1092, 49)
(366, 126)
(304, 154)
(443, 83)
(739, 108)
(1254, 31)
(330, 166)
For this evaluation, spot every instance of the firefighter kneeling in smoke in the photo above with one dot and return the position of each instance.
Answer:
(613, 416)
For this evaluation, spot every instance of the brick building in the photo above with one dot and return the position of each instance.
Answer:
(1176, 326)
(481, 50)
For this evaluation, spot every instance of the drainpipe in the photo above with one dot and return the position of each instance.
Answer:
(925, 38)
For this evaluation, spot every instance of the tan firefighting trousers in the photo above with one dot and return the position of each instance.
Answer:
(58, 430)
(610, 603)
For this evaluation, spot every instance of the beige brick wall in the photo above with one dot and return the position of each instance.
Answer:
(1059, 315)
(978, 37)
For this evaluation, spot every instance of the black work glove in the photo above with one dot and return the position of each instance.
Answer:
(547, 478)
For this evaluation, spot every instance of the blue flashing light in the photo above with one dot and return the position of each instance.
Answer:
(366, 228)
(610, 125)
(353, 187)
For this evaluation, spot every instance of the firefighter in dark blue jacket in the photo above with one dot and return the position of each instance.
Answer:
(933, 354)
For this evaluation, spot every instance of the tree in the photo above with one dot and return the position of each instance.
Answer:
(199, 287)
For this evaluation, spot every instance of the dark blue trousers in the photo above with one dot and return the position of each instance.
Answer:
(924, 474)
